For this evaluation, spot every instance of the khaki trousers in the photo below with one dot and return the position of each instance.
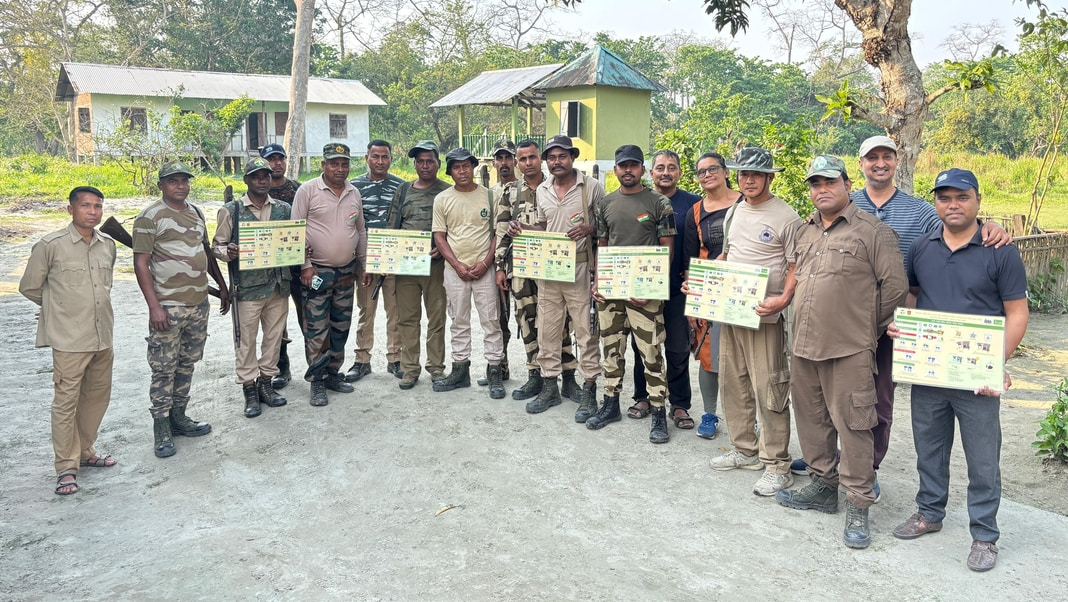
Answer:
(270, 313)
(755, 378)
(484, 292)
(82, 391)
(365, 329)
(430, 291)
(556, 300)
(834, 404)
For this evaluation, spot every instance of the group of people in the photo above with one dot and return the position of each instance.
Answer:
(837, 276)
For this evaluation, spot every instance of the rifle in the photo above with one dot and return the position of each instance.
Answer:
(232, 265)
(113, 228)
(400, 218)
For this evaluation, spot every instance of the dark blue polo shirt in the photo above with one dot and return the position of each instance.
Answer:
(971, 280)
(682, 204)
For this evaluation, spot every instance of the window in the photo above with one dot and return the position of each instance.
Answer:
(85, 124)
(569, 118)
(136, 119)
(339, 126)
(280, 119)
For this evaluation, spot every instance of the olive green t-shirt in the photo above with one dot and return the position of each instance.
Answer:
(639, 219)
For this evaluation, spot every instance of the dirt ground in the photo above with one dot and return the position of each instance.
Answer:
(343, 501)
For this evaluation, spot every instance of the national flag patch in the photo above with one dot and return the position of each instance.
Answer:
(643, 218)
(354, 214)
(576, 218)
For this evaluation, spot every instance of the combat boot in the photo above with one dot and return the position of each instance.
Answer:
(268, 396)
(161, 428)
(283, 378)
(252, 400)
(530, 388)
(857, 533)
(318, 393)
(569, 388)
(459, 377)
(817, 495)
(506, 375)
(494, 372)
(185, 426)
(587, 402)
(659, 433)
(609, 412)
(547, 398)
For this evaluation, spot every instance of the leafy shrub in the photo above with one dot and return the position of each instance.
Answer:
(1053, 429)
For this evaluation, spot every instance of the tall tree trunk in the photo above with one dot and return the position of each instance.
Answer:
(298, 90)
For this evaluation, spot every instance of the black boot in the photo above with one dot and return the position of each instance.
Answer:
(252, 400)
(659, 433)
(549, 397)
(268, 396)
(161, 428)
(185, 426)
(609, 412)
(587, 402)
(283, 378)
(505, 374)
(495, 386)
(569, 388)
(318, 393)
(530, 388)
(459, 377)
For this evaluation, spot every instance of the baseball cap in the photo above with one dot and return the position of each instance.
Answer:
(560, 141)
(827, 166)
(504, 145)
(754, 158)
(961, 179)
(876, 142)
(334, 150)
(272, 149)
(423, 145)
(256, 164)
(629, 152)
(459, 154)
(172, 167)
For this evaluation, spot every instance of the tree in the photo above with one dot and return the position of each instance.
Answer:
(209, 133)
(298, 90)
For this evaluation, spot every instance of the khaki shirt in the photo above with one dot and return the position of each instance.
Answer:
(335, 230)
(224, 225)
(850, 278)
(562, 214)
(71, 281)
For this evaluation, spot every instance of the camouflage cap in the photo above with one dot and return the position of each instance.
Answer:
(256, 164)
(424, 145)
(753, 158)
(504, 145)
(173, 167)
(827, 166)
(334, 150)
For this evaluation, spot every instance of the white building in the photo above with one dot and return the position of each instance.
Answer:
(103, 95)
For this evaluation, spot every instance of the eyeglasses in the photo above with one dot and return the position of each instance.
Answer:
(707, 171)
(880, 213)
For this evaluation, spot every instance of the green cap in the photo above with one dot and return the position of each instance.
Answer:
(172, 167)
(335, 150)
(256, 164)
(424, 145)
(827, 166)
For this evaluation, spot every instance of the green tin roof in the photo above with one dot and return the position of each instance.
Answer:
(599, 67)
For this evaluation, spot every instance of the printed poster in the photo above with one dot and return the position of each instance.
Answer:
(954, 351)
(400, 252)
(633, 272)
(543, 256)
(264, 245)
(726, 291)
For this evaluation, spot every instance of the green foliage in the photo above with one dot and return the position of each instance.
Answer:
(971, 75)
(840, 103)
(791, 145)
(140, 152)
(40, 177)
(1052, 435)
(209, 134)
(1043, 294)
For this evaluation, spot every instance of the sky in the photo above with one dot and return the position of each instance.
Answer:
(931, 22)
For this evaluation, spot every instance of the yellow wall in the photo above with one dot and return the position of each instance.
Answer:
(609, 118)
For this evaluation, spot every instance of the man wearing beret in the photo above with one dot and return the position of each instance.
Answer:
(262, 295)
(336, 233)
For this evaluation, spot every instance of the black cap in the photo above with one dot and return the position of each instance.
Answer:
(459, 154)
(272, 149)
(423, 145)
(560, 141)
(629, 152)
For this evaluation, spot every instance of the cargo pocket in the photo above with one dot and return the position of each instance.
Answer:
(155, 355)
(778, 390)
(862, 415)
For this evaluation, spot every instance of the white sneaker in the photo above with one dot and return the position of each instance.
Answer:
(736, 459)
(771, 483)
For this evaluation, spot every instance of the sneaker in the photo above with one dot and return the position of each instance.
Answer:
(736, 459)
(915, 526)
(707, 428)
(983, 557)
(875, 489)
(817, 495)
(799, 467)
(771, 483)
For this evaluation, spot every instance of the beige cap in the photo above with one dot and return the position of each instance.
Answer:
(877, 142)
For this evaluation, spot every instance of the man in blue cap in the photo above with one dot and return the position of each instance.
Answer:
(941, 266)
(283, 189)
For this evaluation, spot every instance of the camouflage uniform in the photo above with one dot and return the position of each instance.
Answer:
(377, 197)
(518, 201)
(284, 192)
(617, 317)
(172, 354)
(327, 319)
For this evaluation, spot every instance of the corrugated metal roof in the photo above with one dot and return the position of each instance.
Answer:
(78, 78)
(599, 67)
(499, 87)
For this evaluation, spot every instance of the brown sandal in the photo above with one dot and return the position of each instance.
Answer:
(638, 410)
(681, 422)
(100, 461)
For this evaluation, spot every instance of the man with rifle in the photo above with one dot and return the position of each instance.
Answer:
(261, 297)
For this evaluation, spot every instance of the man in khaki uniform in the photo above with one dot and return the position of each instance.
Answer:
(69, 276)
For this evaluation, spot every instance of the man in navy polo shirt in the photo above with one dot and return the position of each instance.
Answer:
(950, 270)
